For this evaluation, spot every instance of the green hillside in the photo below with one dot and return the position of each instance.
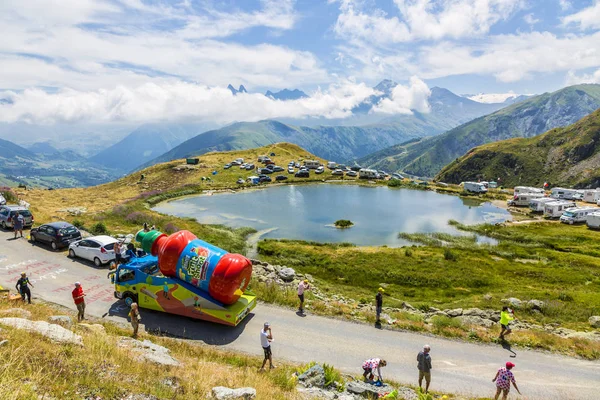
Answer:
(525, 119)
(563, 156)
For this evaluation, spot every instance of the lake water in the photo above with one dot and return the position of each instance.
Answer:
(307, 212)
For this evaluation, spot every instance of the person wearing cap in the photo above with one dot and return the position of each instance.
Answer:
(135, 318)
(506, 315)
(22, 287)
(302, 286)
(266, 337)
(379, 304)
(78, 298)
(373, 364)
(424, 366)
(503, 379)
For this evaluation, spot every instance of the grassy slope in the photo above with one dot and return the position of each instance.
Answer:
(564, 156)
(528, 118)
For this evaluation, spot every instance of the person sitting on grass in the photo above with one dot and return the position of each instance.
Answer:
(370, 365)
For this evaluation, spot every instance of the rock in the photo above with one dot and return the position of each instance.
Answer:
(407, 393)
(475, 312)
(407, 306)
(3, 343)
(594, 335)
(18, 311)
(594, 321)
(149, 351)
(367, 390)
(92, 328)
(487, 297)
(224, 393)
(313, 377)
(475, 320)
(62, 320)
(457, 312)
(53, 332)
(316, 393)
(434, 310)
(536, 305)
(287, 274)
(513, 301)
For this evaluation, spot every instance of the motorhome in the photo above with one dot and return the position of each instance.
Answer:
(492, 185)
(312, 164)
(537, 205)
(331, 164)
(523, 199)
(527, 189)
(555, 209)
(475, 187)
(577, 214)
(591, 195)
(592, 220)
(366, 173)
(566, 194)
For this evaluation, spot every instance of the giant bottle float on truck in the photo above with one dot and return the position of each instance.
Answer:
(187, 276)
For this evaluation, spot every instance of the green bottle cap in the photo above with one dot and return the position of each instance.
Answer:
(147, 239)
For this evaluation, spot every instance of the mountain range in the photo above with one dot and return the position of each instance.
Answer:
(567, 156)
(527, 118)
(286, 94)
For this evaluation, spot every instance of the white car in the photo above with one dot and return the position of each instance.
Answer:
(99, 249)
(337, 172)
(319, 170)
(351, 173)
(290, 170)
(2, 200)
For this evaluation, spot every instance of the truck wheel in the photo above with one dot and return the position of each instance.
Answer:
(130, 298)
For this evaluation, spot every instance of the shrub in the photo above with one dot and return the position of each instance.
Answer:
(9, 195)
(394, 183)
(440, 322)
(99, 229)
(333, 378)
(171, 228)
(79, 224)
(138, 217)
(408, 252)
(565, 297)
(449, 255)
(343, 223)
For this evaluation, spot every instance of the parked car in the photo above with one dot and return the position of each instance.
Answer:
(297, 165)
(2, 200)
(269, 162)
(250, 167)
(271, 167)
(291, 164)
(227, 166)
(9, 211)
(320, 170)
(383, 174)
(290, 170)
(352, 173)
(243, 166)
(277, 168)
(396, 175)
(56, 234)
(264, 178)
(99, 249)
(337, 172)
(240, 181)
(265, 171)
(302, 174)
(281, 178)
(356, 168)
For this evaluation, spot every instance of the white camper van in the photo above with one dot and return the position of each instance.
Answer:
(331, 164)
(523, 199)
(593, 220)
(527, 189)
(577, 214)
(537, 205)
(555, 209)
(312, 164)
(475, 187)
(566, 194)
(365, 173)
(591, 195)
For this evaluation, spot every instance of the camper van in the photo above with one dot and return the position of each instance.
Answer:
(331, 164)
(523, 199)
(566, 194)
(592, 220)
(492, 185)
(577, 214)
(366, 173)
(312, 164)
(527, 189)
(537, 205)
(555, 209)
(475, 187)
(591, 195)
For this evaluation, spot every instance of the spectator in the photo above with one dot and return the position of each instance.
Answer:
(130, 253)
(118, 255)
(266, 337)
(370, 365)
(18, 222)
(379, 304)
(135, 317)
(503, 379)
(424, 366)
(302, 286)
(78, 298)
(23, 287)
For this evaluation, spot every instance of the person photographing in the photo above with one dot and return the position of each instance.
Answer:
(266, 337)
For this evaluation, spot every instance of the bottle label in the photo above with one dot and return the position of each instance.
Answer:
(197, 262)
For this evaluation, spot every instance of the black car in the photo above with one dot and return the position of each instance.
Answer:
(264, 178)
(356, 168)
(271, 167)
(56, 234)
(250, 167)
(281, 178)
(302, 174)
(277, 168)
(265, 171)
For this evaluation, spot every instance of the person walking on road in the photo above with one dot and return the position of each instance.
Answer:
(134, 315)
(23, 287)
(504, 377)
(373, 364)
(424, 366)
(506, 315)
(266, 337)
(18, 222)
(78, 298)
(302, 287)
(379, 304)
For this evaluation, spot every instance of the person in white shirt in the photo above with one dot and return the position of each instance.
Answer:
(266, 337)
(302, 286)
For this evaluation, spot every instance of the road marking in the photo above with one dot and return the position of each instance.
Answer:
(449, 363)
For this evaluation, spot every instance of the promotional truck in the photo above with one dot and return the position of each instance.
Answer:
(186, 276)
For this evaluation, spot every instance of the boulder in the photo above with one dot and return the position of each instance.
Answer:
(54, 332)
(17, 311)
(536, 305)
(487, 297)
(366, 389)
(512, 301)
(475, 312)
(313, 377)
(457, 312)
(287, 274)
(225, 393)
(93, 328)
(62, 320)
(475, 320)
(594, 321)
(149, 351)
(316, 393)
(407, 306)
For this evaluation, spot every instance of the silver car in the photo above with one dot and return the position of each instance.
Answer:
(8, 212)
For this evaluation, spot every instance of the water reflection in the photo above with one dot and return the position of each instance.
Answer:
(307, 212)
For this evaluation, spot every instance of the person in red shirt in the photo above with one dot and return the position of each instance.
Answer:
(78, 298)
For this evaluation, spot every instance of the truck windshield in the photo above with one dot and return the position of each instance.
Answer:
(569, 214)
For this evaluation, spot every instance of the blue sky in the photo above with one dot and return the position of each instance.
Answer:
(131, 59)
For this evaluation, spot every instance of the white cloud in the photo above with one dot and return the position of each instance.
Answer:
(574, 79)
(588, 18)
(530, 19)
(489, 98)
(404, 99)
(564, 4)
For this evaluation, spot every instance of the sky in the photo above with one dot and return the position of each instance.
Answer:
(139, 60)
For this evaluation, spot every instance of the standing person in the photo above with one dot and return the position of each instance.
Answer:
(118, 255)
(371, 364)
(18, 222)
(134, 315)
(146, 227)
(302, 286)
(23, 288)
(424, 366)
(379, 304)
(130, 253)
(266, 337)
(506, 315)
(78, 298)
(503, 379)
(166, 290)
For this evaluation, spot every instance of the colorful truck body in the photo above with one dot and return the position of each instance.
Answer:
(142, 281)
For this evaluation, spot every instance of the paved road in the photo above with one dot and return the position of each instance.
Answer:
(458, 367)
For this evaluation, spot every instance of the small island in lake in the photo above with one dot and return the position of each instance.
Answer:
(343, 223)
